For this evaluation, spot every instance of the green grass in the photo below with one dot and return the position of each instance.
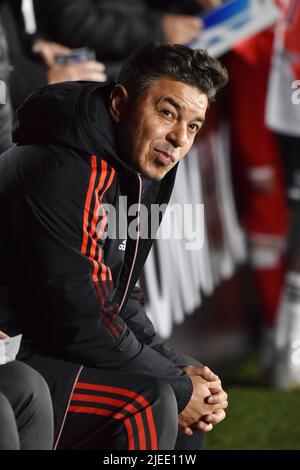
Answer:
(257, 417)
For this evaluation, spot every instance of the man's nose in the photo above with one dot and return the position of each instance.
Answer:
(178, 136)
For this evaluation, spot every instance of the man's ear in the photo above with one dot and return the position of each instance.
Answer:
(118, 100)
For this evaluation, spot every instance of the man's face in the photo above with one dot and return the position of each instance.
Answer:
(158, 129)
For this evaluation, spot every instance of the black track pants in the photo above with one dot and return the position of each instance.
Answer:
(117, 411)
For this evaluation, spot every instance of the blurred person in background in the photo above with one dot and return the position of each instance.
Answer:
(283, 117)
(32, 59)
(113, 29)
(258, 182)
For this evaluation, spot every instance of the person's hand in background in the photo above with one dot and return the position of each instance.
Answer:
(208, 4)
(181, 29)
(90, 71)
(48, 50)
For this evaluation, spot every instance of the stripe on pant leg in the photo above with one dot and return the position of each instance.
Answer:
(140, 399)
(118, 404)
(128, 393)
(105, 412)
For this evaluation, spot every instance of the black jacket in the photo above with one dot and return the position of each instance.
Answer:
(71, 292)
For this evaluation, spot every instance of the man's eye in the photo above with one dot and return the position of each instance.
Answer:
(167, 113)
(194, 127)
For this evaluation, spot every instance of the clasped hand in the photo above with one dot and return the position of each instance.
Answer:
(207, 404)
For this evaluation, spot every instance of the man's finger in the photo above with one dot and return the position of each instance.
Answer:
(186, 430)
(215, 386)
(214, 418)
(203, 426)
(219, 406)
(217, 397)
(208, 374)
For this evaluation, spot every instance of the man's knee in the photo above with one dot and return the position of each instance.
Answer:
(165, 414)
(37, 390)
(163, 393)
(25, 385)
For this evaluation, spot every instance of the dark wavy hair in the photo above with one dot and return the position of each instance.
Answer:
(191, 66)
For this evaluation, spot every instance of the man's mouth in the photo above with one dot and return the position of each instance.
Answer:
(164, 157)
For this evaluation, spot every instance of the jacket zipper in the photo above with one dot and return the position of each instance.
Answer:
(136, 245)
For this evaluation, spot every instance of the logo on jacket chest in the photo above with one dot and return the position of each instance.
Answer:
(122, 245)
